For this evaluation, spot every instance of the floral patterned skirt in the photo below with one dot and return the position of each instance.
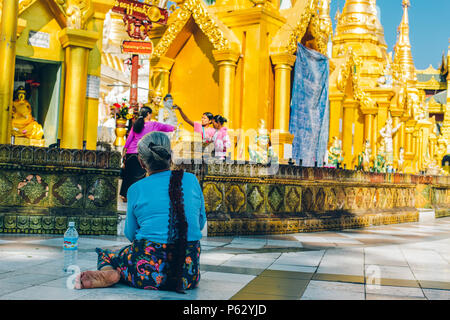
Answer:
(147, 265)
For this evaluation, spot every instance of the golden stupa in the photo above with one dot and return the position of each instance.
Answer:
(368, 90)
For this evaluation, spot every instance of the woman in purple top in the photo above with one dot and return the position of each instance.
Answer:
(133, 171)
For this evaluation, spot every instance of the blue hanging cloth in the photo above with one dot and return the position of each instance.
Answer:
(310, 111)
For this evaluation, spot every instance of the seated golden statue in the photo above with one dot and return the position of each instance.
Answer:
(23, 124)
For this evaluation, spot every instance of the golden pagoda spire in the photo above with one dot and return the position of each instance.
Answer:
(325, 25)
(357, 29)
(379, 30)
(404, 70)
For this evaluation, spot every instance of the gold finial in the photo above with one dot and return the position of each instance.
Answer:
(403, 59)
(338, 16)
(379, 30)
(324, 6)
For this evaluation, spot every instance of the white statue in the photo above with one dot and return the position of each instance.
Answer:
(401, 159)
(387, 132)
(167, 115)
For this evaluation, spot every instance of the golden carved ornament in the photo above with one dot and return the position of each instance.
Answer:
(322, 27)
(207, 24)
(350, 68)
(24, 4)
(181, 18)
(202, 17)
(77, 12)
(301, 26)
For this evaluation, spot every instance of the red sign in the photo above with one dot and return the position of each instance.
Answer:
(144, 11)
(137, 47)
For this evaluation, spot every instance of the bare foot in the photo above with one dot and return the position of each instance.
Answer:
(97, 279)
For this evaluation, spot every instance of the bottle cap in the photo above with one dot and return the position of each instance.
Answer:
(71, 224)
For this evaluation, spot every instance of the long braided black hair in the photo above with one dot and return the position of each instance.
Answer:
(178, 221)
(154, 149)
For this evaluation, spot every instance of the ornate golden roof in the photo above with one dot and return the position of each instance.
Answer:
(218, 34)
(298, 19)
(379, 30)
(429, 70)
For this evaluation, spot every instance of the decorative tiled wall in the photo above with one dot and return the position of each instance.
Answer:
(255, 199)
(41, 189)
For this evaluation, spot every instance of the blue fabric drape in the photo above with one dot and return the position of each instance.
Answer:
(310, 111)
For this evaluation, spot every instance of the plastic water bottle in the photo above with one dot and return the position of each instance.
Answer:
(70, 247)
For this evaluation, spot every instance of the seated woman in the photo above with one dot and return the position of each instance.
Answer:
(165, 216)
(221, 139)
(132, 169)
(202, 127)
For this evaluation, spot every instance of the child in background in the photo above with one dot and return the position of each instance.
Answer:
(221, 139)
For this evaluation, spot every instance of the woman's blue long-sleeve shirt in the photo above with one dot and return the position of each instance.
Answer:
(149, 203)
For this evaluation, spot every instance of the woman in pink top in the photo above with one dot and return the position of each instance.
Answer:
(221, 139)
(133, 171)
(202, 127)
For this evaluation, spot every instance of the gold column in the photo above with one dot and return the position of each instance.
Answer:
(283, 66)
(409, 152)
(395, 122)
(161, 74)
(375, 135)
(368, 122)
(226, 60)
(336, 115)
(94, 74)
(402, 140)
(414, 147)
(348, 131)
(369, 127)
(418, 145)
(77, 44)
(10, 10)
(432, 148)
(396, 143)
(423, 129)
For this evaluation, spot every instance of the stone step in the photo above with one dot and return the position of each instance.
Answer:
(426, 215)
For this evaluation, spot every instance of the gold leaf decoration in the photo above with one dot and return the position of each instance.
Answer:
(350, 68)
(203, 19)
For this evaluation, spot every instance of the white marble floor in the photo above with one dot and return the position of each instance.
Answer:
(408, 261)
